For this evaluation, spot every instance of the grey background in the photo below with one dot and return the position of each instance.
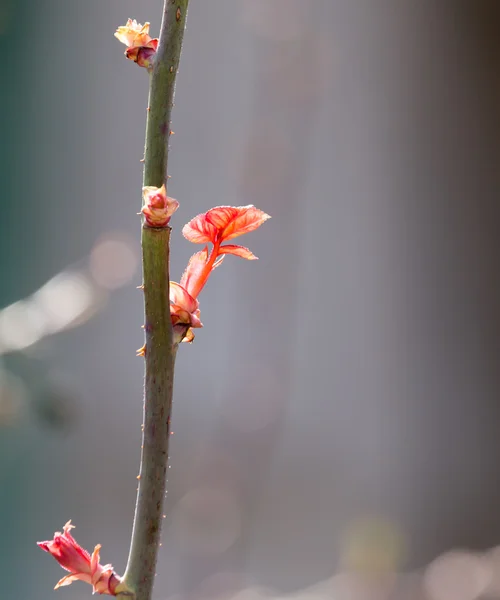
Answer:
(351, 373)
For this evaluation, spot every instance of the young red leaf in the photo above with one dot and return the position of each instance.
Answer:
(223, 223)
(232, 221)
(240, 251)
(81, 565)
(195, 270)
(199, 230)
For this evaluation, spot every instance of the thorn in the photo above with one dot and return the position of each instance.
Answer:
(169, 176)
(142, 326)
(141, 351)
(138, 477)
(171, 132)
(148, 109)
(140, 287)
(142, 160)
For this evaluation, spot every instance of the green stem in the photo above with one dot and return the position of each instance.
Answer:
(161, 91)
(160, 352)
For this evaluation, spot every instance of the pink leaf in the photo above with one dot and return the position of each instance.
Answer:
(240, 251)
(194, 270)
(232, 221)
(199, 230)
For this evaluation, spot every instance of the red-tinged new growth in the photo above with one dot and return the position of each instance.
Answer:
(157, 206)
(81, 565)
(218, 225)
(184, 309)
(141, 47)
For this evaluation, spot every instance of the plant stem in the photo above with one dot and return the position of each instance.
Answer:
(161, 91)
(159, 360)
(160, 352)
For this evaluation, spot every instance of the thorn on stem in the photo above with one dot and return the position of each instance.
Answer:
(141, 351)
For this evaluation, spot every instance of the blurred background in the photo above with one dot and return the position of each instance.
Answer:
(337, 420)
